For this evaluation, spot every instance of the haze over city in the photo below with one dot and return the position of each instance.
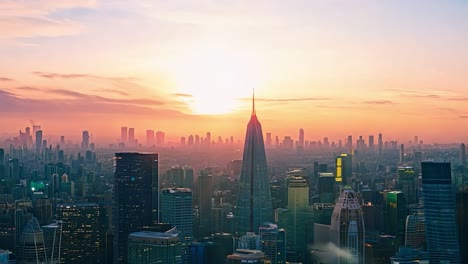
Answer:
(334, 68)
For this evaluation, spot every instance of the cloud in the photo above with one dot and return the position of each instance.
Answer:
(113, 91)
(4, 79)
(28, 88)
(458, 99)
(379, 102)
(288, 99)
(134, 101)
(81, 103)
(463, 116)
(26, 19)
(183, 95)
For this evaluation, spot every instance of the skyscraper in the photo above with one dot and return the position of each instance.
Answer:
(406, 182)
(176, 209)
(31, 246)
(149, 138)
(273, 243)
(81, 238)
(301, 137)
(135, 197)
(85, 140)
(38, 141)
(123, 135)
(344, 168)
(440, 213)
(380, 144)
(402, 153)
(371, 142)
(204, 204)
(347, 227)
(131, 136)
(254, 205)
(462, 155)
(159, 138)
(154, 247)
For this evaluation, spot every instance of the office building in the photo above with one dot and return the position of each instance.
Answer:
(135, 197)
(31, 246)
(38, 141)
(415, 232)
(371, 142)
(326, 187)
(123, 135)
(344, 169)
(395, 212)
(463, 156)
(462, 221)
(131, 136)
(273, 243)
(205, 191)
(440, 213)
(254, 205)
(82, 236)
(347, 227)
(149, 138)
(410, 256)
(85, 140)
(154, 247)
(407, 183)
(53, 241)
(159, 138)
(176, 209)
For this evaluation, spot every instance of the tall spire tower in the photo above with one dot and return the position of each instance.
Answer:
(254, 205)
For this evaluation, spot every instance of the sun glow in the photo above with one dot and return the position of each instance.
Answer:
(215, 80)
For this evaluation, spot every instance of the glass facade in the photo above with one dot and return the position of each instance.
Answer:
(254, 205)
(135, 197)
(440, 213)
(154, 247)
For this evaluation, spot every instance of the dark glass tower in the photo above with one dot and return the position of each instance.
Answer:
(440, 213)
(135, 197)
(254, 205)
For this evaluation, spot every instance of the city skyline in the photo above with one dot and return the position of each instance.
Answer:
(334, 68)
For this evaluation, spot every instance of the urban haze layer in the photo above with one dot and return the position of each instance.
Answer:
(218, 201)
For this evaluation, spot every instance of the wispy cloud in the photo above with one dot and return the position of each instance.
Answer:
(380, 102)
(4, 79)
(463, 116)
(288, 99)
(113, 91)
(77, 95)
(28, 88)
(26, 19)
(183, 95)
(53, 75)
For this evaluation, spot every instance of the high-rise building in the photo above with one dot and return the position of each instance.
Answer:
(301, 137)
(31, 246)
(53, 241)
(131, 136)
(440, 213)
(297, 220)
(371, 142)
(402, 153)
(326, 187)
(395, 211)
(154, 247)
(344, 169)
(463, 156)
(149, 138)
(85, 140)
(381, 144)
(268, 141)
(159, 138)
(462, 220)
(254, 205)
(176, 209)
(205, 191)
(349, 143)
(82, 237)
(38, 141)
(415, 232)
(273, 243)
(135, 197)
(123, 135)
(407, 183)
(347, 227)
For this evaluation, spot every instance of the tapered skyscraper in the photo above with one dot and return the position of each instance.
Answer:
(254, 203)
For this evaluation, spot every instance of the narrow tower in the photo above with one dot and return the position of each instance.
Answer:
(254, 203)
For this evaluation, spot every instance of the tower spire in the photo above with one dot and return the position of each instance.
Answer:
(253, 103)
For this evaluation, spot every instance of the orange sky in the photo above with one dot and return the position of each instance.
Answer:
(187, 67)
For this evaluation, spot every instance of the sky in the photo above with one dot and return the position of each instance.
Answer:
(334, 68)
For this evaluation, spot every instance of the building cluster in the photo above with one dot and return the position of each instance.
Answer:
(371, 202)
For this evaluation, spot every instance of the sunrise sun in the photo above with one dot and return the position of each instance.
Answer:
(215, 81)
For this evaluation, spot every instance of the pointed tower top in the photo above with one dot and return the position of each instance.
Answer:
(253, 103)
